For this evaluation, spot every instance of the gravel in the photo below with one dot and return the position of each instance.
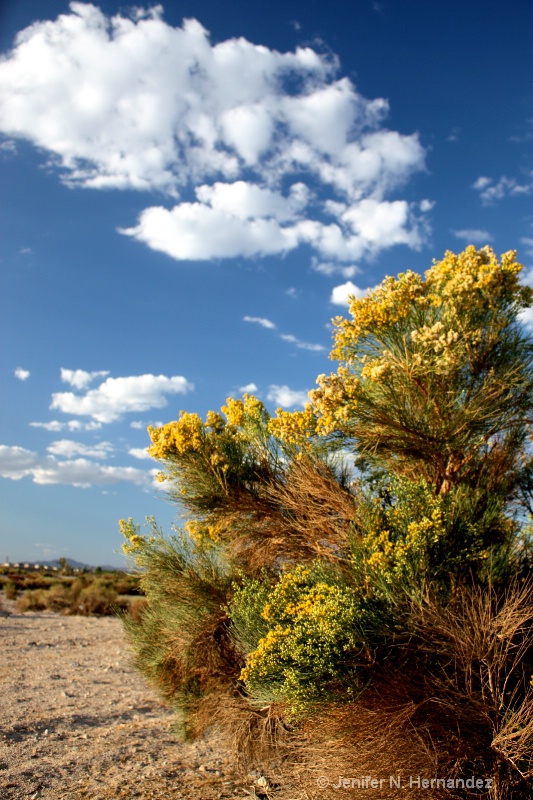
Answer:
(76, 721)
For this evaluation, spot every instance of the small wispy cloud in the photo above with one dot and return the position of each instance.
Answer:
(288, 337)
(248, 389)
(22, 374)
(490, 191)
(265, 323)
(474, 236)
(56, 425)
(330, 268)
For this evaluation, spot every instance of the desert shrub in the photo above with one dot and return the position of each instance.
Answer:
(85, 595)
(95, 599)
(355, 574)
(10, 590)
(32, 600)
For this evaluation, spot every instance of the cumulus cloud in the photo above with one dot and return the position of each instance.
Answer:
(340, 294)
(265, 323)
(285, 397)
(18, 462)
(250, 388)
(22, 374)
(117, 396)
(79, 378)
(68, 449)
(490, 190)
(474, 236)
(131, 102)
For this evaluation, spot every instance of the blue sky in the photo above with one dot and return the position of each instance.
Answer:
(186, 205)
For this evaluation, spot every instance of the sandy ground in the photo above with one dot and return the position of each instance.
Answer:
(76, 721)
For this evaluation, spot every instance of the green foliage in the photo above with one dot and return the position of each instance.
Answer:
(181, 638)
(314, 633)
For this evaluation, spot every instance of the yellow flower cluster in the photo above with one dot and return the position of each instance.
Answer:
(134, 541)
(390, 302)
(293, 427)
(243, 412)
(312, 623)
(335, 400)
(189, 434)
(476, 277)
(441, 347)
(203, 533)
(234, 411)
(182, 436)
(393, 554)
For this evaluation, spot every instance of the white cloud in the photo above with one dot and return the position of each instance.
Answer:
(286, 397)
(68, 449)
(138, 424)
(288, 337)
(474, 236)
(79, 378)
(330, 268)
(71, 425)
(491, 191)
(131, 102)
(250, 388)
(265, 323)
(139, 452)
(17, 463)
(340, 294)
(117, 396)
(22, 374)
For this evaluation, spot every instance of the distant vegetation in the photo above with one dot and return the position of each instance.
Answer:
(86, 592)
(351, 593)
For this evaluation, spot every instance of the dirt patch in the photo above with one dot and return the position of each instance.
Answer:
(77, 722)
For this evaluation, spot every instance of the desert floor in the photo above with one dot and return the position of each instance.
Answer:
(76, 721)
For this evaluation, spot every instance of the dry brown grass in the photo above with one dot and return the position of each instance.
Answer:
(304, 516)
